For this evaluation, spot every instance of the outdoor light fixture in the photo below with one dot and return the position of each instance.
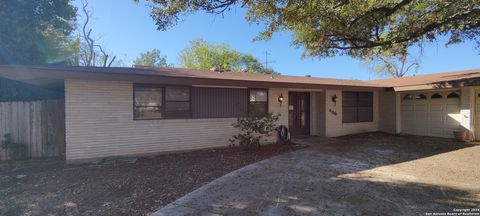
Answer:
(280, 99)
(334, 99)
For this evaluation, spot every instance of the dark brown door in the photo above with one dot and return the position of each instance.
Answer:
(299, 113)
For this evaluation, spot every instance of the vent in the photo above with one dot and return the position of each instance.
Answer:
(220, 70)
(141, 66)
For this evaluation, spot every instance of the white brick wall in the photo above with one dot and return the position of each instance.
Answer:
(274, 105)
(99, 123)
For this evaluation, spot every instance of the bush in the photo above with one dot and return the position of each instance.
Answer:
(253, 128)
(14, 150)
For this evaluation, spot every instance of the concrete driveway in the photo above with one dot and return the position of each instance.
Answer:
(369, 174)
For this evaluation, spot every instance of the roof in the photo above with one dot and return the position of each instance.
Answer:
(46, 73)
(190, 73)
(428, 78)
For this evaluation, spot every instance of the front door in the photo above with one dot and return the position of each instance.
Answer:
(299, 113)
(477, 115)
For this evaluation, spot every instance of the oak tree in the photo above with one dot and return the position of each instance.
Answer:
(327, 28)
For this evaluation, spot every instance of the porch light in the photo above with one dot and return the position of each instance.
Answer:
(280, 99)
(334, 99)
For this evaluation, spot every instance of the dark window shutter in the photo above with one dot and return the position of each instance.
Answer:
(219, 102)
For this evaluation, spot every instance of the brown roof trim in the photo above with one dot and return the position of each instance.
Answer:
(439, 79)
(176, 76)
(48, 73)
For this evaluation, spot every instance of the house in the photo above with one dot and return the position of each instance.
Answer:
(137, 111)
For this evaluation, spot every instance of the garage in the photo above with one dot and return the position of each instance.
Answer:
(434, 114)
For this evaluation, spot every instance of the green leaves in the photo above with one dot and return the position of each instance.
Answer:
(152, 58)
(254, 128)
(326, 28)
(203, 55)
(35, 32)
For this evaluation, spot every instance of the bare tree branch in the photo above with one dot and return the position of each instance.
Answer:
(111, 61)
(89, 51)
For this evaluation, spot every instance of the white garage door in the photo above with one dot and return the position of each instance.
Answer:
(430, 114)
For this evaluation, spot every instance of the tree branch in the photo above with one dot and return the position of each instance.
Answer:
(385, 10)
(414, 35)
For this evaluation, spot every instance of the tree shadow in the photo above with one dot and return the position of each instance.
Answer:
(366, 174)
(379, 148)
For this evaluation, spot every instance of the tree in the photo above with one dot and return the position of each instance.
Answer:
(89, 52)
(152, 58)
(252, 64)
(334, 27)
(395, 63)
(203, 55)
(35, 32)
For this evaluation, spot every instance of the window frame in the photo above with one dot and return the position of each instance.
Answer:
(164, 100)
(266, 102)
(190, 111)
(357, 107)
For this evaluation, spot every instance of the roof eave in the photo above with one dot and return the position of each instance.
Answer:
(42, 76)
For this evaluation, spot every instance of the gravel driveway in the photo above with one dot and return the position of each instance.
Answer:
(370, 174)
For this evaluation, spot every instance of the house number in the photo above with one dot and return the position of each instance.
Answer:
(332, 111)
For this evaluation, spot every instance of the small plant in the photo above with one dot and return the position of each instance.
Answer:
(253, 128)
(15, 150)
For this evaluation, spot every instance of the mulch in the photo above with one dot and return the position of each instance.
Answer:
(50, 187)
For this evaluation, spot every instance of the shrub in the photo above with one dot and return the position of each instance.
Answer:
(253, 129)
(14, 150)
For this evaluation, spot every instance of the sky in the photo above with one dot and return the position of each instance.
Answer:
(126, 29)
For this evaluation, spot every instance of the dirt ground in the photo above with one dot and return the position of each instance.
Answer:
(365, 174)
(49, 187)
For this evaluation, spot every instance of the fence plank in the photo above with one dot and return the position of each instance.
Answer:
(38, 124)
(3, 128)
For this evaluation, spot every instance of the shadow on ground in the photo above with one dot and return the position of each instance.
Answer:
(49, 187)
(367, 174)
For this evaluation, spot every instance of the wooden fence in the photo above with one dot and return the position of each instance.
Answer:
(40, 125)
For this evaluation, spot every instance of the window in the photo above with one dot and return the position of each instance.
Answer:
(158, 102)
(420, 97)
(148, 103)
(177, 102)
(408, 97)
(453, 95)
(436, 96)
(258, 101)
(357, 107)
